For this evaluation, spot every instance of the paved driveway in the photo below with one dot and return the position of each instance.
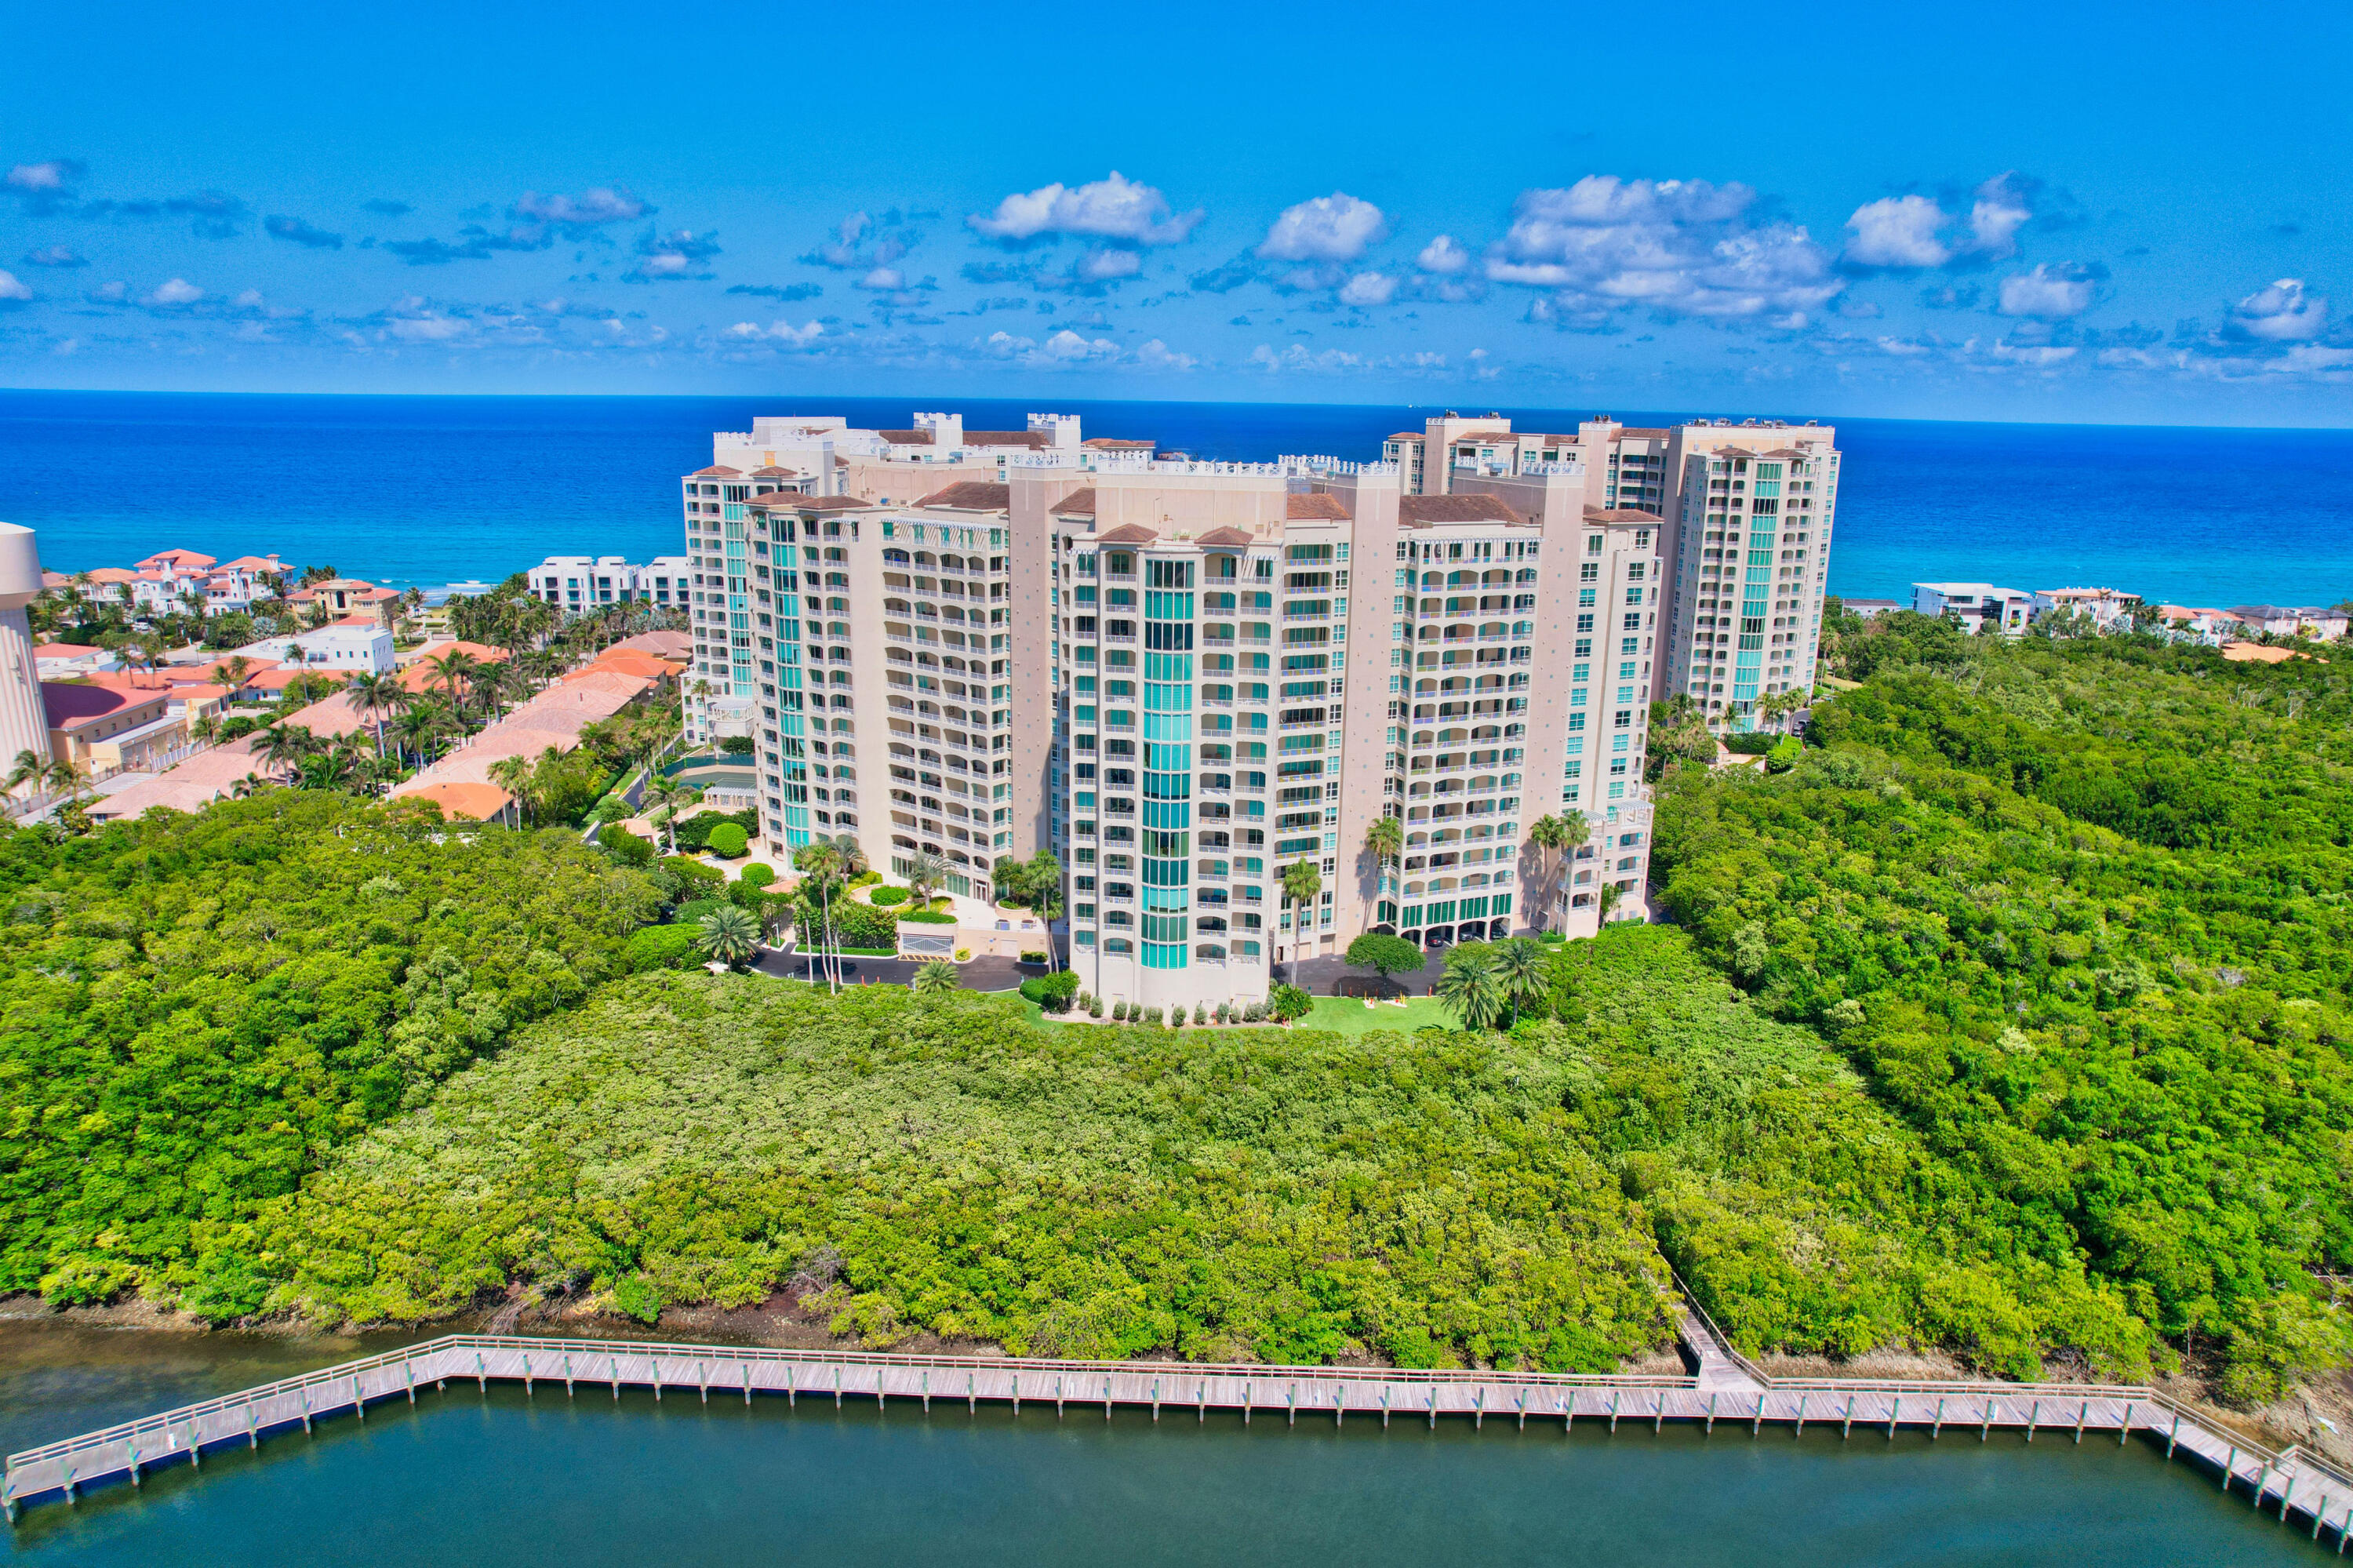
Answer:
(990, 973)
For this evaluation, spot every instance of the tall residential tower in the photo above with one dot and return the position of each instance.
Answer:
(1183, 678)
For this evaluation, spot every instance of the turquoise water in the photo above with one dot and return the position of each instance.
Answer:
(433, 489)
(503, 1477)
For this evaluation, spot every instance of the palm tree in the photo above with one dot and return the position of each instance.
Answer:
(1472, 988)
(68, 779)
(936, 977)
(414, 728)
(667, 795)
(205, 728)
(233, 674)
(1385, 840)
(819, 864)
(1048, 905)
(250, 785)
(730, 935)
(1300, 883)
(513, 774)
(926, 874)
(853, 854)
(451, 671)
(1557, 836)
(30, 768)
(1522, 972)
(285, 743)
(331, 769)
(373, 696)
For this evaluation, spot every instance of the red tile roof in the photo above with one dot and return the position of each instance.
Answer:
(1314, 504)
(1036, 440)
(1079, 503)
(1428, 509)
(1224, 536)
(971, 496)
(70, 708)
(1128, 533)
(717, 472)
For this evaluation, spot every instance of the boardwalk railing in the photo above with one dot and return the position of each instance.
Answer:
(2298, 1482)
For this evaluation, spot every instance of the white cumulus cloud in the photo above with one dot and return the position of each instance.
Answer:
(1678, 247)
(2001, 208)
(1897, 232)
(1103, 266)
(177, 291)
(590, 209)
(12, 289)
(1116, 209)
(1368, 288)
(2052, 291)
(1333, 229)
(2283, 313)
(1443, 257)
(1296, 358)
(783, 334)
(50, 174)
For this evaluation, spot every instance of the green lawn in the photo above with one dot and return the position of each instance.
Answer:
(1347, 1015)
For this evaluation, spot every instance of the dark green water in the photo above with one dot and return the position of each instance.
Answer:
(503, 1478)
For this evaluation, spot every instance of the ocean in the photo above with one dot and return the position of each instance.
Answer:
(432, 490)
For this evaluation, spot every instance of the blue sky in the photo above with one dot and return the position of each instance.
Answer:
(1995, 212)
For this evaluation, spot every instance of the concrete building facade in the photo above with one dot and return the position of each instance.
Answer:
(1183, 678)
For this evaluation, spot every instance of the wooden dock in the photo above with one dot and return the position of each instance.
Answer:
(2296, 1486)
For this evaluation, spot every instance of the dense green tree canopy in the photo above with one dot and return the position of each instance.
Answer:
(198, 1009)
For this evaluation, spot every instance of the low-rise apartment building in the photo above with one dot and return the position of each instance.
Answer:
(1978, 607)
(583, 584)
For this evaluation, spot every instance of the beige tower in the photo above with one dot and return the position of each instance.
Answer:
(23, 724)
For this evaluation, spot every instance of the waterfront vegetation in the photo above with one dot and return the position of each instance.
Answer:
(2078, 912)
(2008, 1018)
(199, 1009)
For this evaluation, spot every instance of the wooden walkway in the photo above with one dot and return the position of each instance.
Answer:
(2297, 1486)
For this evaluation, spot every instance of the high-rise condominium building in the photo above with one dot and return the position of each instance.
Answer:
(1748, 554)
(1186, 678)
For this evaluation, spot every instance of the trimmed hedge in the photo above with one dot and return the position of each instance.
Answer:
(883, 897)
(728, 841)
(926, 918)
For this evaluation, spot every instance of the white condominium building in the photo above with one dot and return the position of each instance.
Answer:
(581, 585)
(1183, 678)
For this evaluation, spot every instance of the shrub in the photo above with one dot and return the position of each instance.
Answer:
(728, 841)
(736, 746)
(1784, 755)
(1200, 1012)
(757, 875)
(1095, 1007)
(684, 878)
(1225, 1011)
(885, 897)
(1033, 957)
(639, 1297)
(1289, 1002)
(626, 847)
(1748, 743)
(660, 947)
(866, 879)
(694, 909)
(1119, 1012)
(926, 918)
